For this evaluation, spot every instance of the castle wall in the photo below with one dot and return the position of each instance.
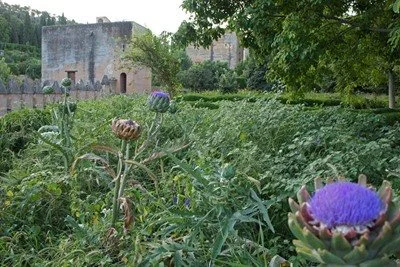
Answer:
(91, 51)
(226, 49)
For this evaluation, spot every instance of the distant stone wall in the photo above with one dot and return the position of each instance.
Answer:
(225, 49)
(29, 94)
(91, 51)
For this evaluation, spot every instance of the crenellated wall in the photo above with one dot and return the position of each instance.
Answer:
(29, 94)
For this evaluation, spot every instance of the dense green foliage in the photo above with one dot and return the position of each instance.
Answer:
(155, 53)
(228, 82)
(203, 76)
(23, 25)
(16, 133)
(21, 35)
(22, 59)
(4, 70)
(222, 200)
(306, 44)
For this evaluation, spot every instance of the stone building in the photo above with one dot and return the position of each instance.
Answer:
(87, 52)
(226, 49)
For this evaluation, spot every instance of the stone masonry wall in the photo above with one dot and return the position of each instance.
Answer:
(91, 50)
(226, 49)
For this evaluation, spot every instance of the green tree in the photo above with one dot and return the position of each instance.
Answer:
(356, 42)
(5, 30)
(62, 20)
(203, 76)
(155, 53)
(4, 71)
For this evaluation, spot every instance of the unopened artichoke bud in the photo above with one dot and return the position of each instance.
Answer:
(346, 224)
(70, 107)
(47, 90)
(126, 129)
(66, 82)
(159, 101)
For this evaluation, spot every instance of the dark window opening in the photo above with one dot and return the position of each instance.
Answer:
(122, 83)
(71, 75)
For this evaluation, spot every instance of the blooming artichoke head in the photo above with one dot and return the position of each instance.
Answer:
(159, 101)
(126, 129)
(345, 223)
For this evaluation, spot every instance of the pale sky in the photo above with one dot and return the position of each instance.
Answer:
(157, 15)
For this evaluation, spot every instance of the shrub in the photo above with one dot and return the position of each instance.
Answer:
(203, 76)
(228, 82)
(4, 71)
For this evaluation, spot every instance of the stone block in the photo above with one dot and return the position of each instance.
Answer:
(3, 104)
(38, 101)
(15, 101)
(27, 100)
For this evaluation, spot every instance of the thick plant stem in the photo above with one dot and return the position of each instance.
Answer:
(117, 184)
(126, 171)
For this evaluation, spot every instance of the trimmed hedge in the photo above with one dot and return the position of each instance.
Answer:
(357, 103)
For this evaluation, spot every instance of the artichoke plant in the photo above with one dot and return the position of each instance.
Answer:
(47, 90)
(159, 101)
(346, 224)
(126, 129)
(66, 82)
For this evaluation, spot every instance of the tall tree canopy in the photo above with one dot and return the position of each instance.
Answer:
(22, 25)
(306, 42)
(155, 53)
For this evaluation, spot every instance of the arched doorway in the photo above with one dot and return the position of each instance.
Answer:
(122, 83)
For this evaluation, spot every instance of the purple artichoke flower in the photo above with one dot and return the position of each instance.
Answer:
(346, 224)
(345, 204)
(159, 101)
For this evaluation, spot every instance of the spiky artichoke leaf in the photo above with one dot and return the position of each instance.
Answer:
(328, 257)
(304, 234)
(382, 262)
(312, 240)
(303, 196)
(305, 251)
(340, 245)
(383, 190)
(318, 183)
(357, 255)
(392, 247)
(294, 207)
(294, 226)
(362, 180)
(384, 236)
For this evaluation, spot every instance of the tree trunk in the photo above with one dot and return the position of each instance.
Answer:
(391, 85)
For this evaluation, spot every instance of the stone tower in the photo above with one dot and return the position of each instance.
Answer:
(89, 51)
